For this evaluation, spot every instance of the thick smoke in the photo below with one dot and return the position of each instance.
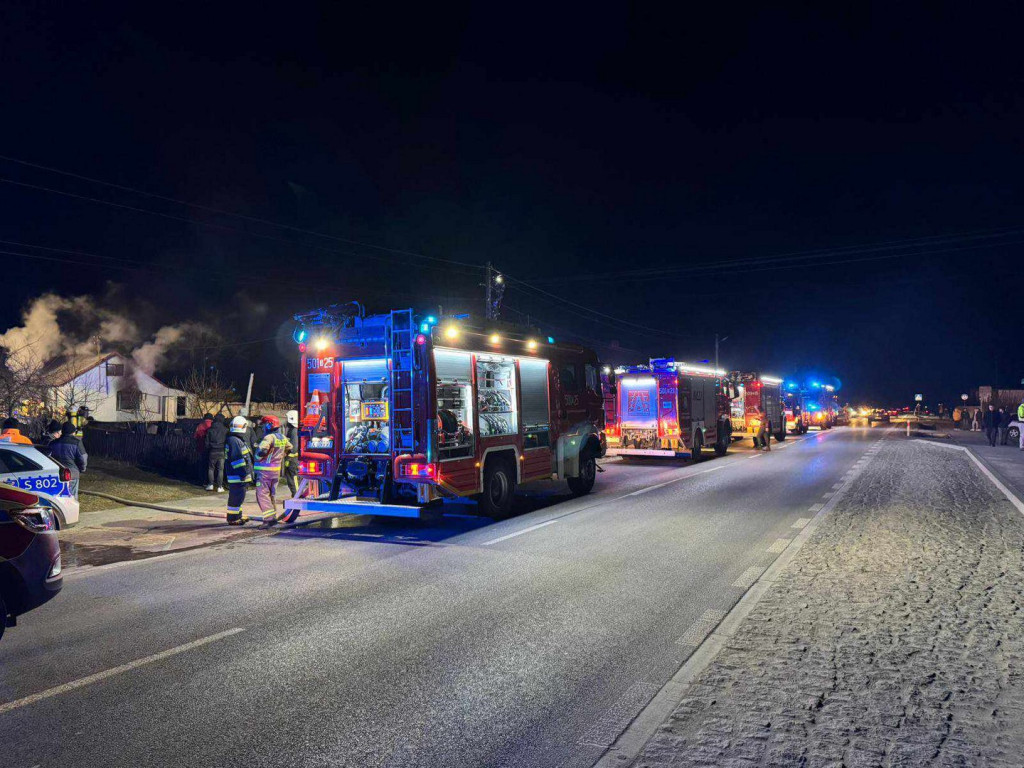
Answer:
(55, 325)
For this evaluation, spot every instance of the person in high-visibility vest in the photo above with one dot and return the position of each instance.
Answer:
(291, 463)
(271, 453)
(1020, 418)
(237, 469)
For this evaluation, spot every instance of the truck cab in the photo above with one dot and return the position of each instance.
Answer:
(402, 410)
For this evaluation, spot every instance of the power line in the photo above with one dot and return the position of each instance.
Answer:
(213, 225)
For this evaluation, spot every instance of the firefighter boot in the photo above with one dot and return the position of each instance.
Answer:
(237, 518)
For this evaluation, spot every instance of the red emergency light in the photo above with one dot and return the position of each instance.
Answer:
(309, 467)
(417, 470)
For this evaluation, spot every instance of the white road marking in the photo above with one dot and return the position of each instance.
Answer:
(701, 628)
(674, 480)
(82, 681)
(519, 533)
(837, 486)
(778, 546)
(815, 508)
(801, 522)
(748, 577)
(828, 495)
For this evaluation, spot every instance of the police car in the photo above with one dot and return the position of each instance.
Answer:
(25, 467)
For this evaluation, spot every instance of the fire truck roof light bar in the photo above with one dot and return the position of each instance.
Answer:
(771, 379)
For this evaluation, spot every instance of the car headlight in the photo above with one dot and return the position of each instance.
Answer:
(35, 519)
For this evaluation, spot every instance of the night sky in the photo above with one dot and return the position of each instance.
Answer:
(836, 189)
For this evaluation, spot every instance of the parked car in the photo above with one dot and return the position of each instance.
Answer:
(30, 567)
(28, 468)
(1013, 431)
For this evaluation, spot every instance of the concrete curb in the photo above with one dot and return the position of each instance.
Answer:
(630, 743)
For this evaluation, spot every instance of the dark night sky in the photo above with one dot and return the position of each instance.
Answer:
(576, 149)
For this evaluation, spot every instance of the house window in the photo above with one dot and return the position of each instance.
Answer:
(179, 408)
(115, 369)
(129, 400)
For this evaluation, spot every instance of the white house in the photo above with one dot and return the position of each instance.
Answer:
(112, 387)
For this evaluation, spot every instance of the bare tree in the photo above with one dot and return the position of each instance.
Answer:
(206, 393)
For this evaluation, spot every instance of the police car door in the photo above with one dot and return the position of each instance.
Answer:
(22, 472)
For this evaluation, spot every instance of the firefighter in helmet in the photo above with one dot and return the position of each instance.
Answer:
(271, 453)
(238, 468)
(291, 464)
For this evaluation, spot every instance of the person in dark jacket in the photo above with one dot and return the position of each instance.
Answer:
(52, 432)
(214, 440)
(1004, 425)
(69, 451)
(990, 421)
(200, 437)
(239, 469)
(291, 464)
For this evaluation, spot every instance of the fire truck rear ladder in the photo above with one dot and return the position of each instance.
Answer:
(402, 336)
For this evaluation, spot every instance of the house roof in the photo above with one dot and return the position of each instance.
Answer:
(63, 369)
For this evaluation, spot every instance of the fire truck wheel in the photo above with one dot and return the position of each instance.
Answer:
(698, 448)
(583, 483)
(499, 489)
(722, 446)
(780, 436)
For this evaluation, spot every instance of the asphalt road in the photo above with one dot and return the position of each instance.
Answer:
(529, 642)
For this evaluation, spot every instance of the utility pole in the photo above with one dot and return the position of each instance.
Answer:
(717, 342)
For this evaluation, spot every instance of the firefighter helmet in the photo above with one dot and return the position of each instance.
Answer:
(292, 418)
(239, 425)
(270, 422)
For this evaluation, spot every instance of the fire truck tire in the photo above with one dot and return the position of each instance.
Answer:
(499, 489)
(583, 483)
(697, 454)
(780, 436)
(722, 446)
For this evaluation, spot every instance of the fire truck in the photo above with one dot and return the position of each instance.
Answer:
(755, 390)
(796, 417)
(400, 411)
(668, 408)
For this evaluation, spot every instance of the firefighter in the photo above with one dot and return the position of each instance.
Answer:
(270, 457)
(291, 464)
(238, 468)
(764, 435)
(1020, 418)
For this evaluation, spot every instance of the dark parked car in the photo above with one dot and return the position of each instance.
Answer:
(30, 569)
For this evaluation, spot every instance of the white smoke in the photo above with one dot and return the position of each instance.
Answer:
(54, 325)
(150, 355)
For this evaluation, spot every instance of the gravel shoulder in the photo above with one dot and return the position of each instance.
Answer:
(893, 638)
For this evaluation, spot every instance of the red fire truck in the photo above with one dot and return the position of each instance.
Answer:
(668, 409)
(752, 391)
(401, 412)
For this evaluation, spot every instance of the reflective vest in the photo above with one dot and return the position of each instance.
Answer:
(271, 453)
(1020, 412)
(237, 460)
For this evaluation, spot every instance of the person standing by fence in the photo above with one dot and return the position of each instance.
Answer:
(69, 451)
(214, 441)
(201, 450)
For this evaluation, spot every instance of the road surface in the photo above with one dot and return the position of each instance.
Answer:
(529, 642)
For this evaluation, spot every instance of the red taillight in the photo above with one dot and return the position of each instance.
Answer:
(65, 475)
(309, 467)
(417, 470)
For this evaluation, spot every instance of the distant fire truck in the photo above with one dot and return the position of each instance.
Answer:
(400, 412)
(753, 391)
(668, 409)
(818, 407)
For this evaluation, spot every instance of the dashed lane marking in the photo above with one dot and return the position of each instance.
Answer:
(837, 486)
(748, 577)
(828, 495)
(82, 681)
(802, 521)
(701, 628)
(519, 533)
(778, 546)
(605, 731)
(815, 508)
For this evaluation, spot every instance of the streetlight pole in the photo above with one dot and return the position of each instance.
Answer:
(717, 342)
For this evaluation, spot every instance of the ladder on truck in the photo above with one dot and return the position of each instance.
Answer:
(401, 341)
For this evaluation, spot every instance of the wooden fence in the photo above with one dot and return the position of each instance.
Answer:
(173, 453)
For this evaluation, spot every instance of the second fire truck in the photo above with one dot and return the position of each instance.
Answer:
(753, 391)
(669, 409)
(402, 411)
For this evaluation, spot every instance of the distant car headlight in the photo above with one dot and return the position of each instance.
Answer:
(35, 519)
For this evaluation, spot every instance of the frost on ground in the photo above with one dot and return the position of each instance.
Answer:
(894, 638)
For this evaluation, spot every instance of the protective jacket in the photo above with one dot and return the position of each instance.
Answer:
(237, 460)
(272, 452)
(1020, 412)
(291, 434)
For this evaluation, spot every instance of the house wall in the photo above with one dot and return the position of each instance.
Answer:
(98, 391)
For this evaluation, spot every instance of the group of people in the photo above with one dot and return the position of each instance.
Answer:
(995, 422)
(244, 456)
(61, 441)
